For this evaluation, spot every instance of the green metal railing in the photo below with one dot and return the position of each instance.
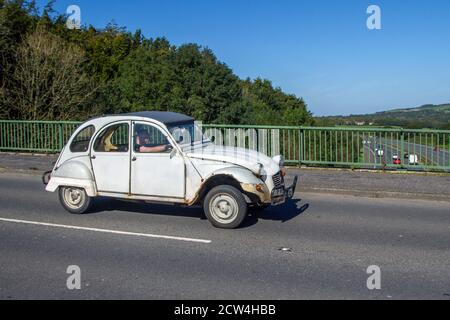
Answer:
(362, 147)
(35, 136)
(372, 148)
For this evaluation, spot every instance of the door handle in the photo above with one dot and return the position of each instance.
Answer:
(93, 156)
(133, 159)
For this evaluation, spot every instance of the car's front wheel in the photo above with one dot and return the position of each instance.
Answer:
(225, 207)
(74, 200)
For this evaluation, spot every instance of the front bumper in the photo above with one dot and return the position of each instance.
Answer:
(280, 195)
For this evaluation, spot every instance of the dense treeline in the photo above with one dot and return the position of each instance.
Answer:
(50, 72)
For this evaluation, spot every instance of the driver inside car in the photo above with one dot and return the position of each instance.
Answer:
(144, 145)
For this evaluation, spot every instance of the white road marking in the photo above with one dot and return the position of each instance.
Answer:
(148, 235)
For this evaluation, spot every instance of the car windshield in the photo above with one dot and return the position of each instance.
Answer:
(188, 134)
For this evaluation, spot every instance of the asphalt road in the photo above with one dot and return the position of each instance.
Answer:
(333, 239)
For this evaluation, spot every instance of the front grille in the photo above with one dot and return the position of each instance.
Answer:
(278, 180)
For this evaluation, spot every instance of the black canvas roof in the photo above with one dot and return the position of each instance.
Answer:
(161, 116)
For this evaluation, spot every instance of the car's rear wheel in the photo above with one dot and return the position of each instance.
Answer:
(225, 207)
(74, 200)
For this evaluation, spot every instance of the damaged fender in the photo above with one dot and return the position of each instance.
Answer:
(247, 180)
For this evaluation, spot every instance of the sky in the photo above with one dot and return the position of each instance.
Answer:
(321, 50)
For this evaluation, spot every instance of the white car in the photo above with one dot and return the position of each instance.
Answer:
(164, 157)
(380, 152)
(413, 159)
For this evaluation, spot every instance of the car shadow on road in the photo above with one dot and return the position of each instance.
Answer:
(282, 213)
(107, 204)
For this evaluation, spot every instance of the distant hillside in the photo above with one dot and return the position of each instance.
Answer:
(426, 116)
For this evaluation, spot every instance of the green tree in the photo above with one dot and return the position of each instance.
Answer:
(187, 79)
(265, 104)
(48, 82)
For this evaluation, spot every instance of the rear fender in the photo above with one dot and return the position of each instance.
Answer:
(87, 185)
(73, 173)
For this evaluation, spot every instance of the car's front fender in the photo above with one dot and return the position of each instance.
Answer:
(242, 175)
(248, 181)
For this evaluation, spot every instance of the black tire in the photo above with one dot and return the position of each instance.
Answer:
(75, 205)
(225, 207)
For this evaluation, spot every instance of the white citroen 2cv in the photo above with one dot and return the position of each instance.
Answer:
(164, 157)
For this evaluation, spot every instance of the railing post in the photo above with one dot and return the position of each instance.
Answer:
(300, 145)
(61, 138)
(448, 155)
(402, 147)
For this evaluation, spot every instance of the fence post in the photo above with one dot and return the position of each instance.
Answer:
(301, 145)
(61, 138)
(448, 155)
(402, 148)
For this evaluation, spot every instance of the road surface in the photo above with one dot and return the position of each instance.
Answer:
(141, 251)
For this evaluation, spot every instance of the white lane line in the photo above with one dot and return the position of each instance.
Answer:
(148, 235)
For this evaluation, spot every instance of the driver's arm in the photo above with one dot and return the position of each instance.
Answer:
(155, 149)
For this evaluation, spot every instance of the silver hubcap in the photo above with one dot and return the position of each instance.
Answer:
(223, 208)
(74, 198)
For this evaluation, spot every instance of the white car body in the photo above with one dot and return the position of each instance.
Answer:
(380, 152)
(413, 159)
(180, 176)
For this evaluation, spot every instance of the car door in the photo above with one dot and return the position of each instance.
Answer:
(110, 158)
(155, 172)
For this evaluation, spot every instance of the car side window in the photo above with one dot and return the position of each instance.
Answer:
(149, 139)
(113, 139)
(80, 142)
